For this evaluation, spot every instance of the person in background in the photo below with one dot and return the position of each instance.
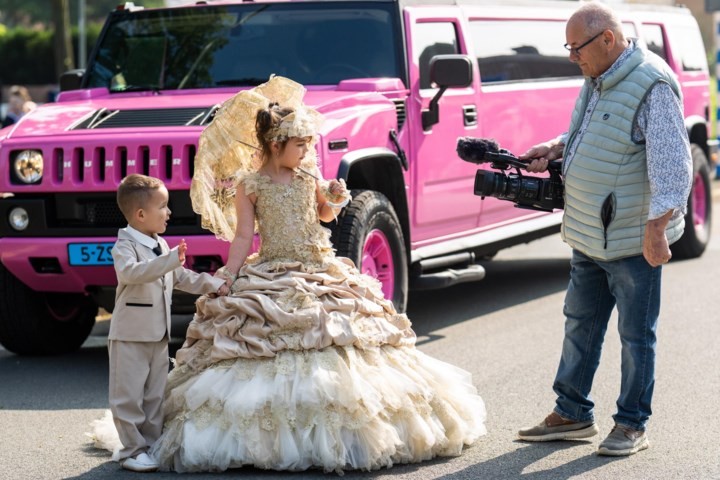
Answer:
(19, 103)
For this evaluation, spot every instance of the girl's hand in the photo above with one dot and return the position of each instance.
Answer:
(337, 187)
(335, 191)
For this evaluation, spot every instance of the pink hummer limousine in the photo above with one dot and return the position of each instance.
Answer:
(398, 82)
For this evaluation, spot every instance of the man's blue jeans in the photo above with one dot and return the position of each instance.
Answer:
(595, 288)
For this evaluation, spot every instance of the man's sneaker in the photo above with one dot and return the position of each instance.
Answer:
(141, 463)
(555, 427)
(623, 441)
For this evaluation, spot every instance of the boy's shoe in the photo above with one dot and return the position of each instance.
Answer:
(555, 427)
(623, 441)
(141, 463)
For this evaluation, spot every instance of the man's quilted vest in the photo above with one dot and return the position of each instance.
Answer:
(607, 192)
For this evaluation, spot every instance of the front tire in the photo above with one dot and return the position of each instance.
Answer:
(36, 323)
(368, 232)
(698, 218)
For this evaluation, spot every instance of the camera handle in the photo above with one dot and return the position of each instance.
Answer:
(502, 161)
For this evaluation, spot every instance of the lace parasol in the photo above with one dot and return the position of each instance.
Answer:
(228, 148)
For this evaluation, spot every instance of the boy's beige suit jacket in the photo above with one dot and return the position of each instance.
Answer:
(145, 285)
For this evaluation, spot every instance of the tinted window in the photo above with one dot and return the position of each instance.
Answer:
(430, 39)
(242, 45)
(521, 50)
(691, 50)
(653, 36)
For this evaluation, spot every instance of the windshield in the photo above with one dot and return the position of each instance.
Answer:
(242, 45)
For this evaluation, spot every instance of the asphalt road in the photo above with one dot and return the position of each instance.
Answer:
(506, 330)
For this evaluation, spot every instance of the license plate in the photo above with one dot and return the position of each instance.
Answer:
(90, 254)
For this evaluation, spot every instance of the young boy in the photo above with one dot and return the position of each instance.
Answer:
(147, 271)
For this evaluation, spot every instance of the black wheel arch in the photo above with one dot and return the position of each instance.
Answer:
(694, 240)
(697, 133)
(379, 169)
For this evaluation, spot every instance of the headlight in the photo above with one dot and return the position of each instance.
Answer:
(19, 219)
(28, 166)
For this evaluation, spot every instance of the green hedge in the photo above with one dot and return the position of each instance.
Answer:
(27, 56)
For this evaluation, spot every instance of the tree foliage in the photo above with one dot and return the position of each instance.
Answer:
(64, 57)
(27, 13)
(28, 36)
(27, 55)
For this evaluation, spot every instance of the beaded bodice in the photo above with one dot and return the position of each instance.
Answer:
(287, 219)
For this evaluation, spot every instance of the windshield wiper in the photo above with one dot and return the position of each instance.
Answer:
(242, 82)
(136, 88)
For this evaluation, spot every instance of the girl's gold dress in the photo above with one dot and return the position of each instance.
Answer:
(306, 365)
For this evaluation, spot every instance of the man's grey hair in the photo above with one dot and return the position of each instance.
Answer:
(598, 17)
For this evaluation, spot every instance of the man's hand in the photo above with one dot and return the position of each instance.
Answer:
(655, 244)
(223, 290)
(541, 155)
(182, 248)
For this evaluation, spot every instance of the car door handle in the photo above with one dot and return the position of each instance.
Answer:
(470, 117)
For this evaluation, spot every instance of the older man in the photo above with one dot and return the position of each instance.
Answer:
(627, 170)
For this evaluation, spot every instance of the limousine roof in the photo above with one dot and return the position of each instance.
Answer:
(569, 5)
(558, 9)
(518, 8)
(540, 5)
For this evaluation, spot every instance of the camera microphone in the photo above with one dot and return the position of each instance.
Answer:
(481, 150)
(474, 149)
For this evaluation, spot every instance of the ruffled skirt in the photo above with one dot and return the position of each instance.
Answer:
(337, 408)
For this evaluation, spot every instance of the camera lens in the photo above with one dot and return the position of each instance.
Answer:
(536, 193)
(513, 187)
(488, 184)
(530, 189)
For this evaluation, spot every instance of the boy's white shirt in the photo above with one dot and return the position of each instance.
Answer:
(141, 238)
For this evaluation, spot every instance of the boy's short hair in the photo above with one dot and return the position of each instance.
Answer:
(134, 192)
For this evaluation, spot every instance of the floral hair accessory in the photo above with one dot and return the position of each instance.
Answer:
(228, 148)
(303, 122)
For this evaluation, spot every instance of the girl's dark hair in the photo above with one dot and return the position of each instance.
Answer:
(266, 120)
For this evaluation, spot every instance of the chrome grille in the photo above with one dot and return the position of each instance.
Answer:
(101, 165)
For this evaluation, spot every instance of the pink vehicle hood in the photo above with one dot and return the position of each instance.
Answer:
(59, 118)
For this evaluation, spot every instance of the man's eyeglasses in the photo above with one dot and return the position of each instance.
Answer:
(576, 50)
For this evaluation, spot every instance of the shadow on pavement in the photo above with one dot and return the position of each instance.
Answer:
(507, 283)
(513, 464)
(71, 381)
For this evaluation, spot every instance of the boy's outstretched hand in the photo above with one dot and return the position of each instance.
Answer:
(182, 248)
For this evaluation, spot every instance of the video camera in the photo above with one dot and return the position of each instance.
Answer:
(526, 191)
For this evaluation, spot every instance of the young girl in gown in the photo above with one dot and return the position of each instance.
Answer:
(304, 364)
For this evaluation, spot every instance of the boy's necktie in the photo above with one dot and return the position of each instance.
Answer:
(157, 250)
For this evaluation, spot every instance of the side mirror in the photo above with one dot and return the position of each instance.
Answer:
(71, 80)
(446, 71)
